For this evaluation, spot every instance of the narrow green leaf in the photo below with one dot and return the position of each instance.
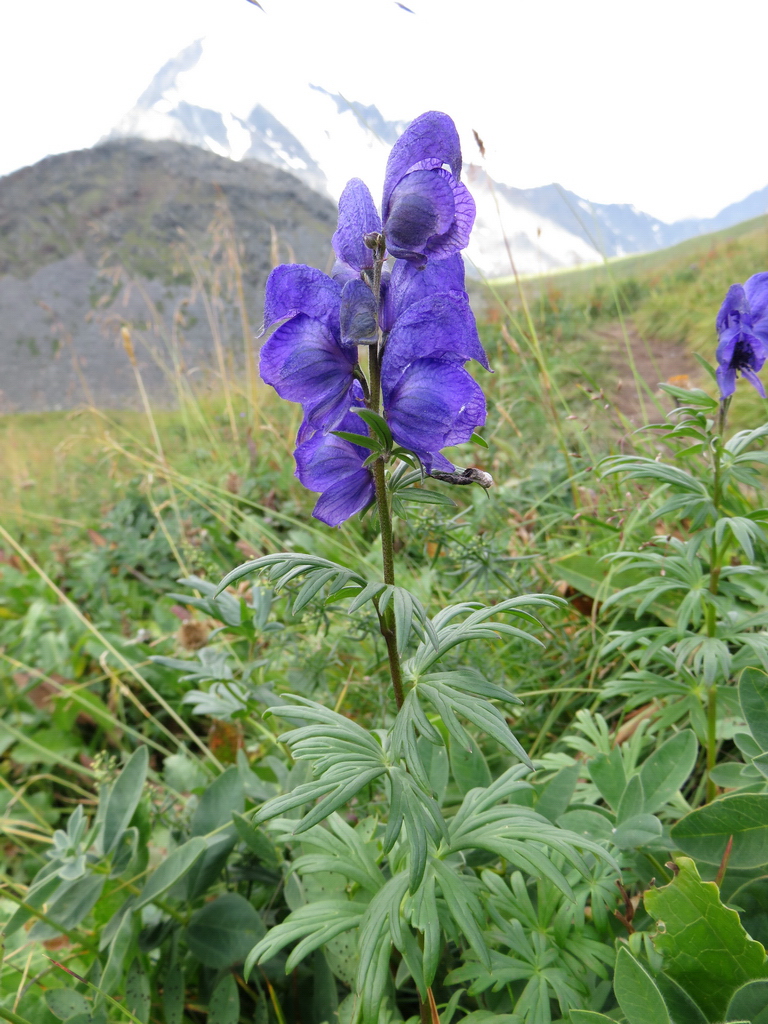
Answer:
(173, 995)
(638, 996)
(124, 797)
(170, 871)
(224, 1007)
(137, 995)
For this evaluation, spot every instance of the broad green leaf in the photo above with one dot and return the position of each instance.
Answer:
(223, 798)
(665, 771)
(607, 772)
(137, 995)
(704, 833)
(468, 766)
(124, 798)
(171, 870)
(587, 823)
(224, 1007)
(173, 995)
(753, 694)
(750, 1003)
(705, 948)
(682, 1009)
(224, 931)
(636, 992)
(65, 1003)
(639, 830)
(632, 800)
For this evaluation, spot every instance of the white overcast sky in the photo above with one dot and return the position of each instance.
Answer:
(658, 103)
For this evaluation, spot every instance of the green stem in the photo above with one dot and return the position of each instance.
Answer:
(715, 558)
(14, 1018)
(387, 624)
(711, 741)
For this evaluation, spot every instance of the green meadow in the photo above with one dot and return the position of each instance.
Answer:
(642, 689)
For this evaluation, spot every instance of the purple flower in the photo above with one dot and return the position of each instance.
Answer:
(742, 327)
(427, 212)
(334, 467)
(305, 360)
(423, 326)
(358, 217)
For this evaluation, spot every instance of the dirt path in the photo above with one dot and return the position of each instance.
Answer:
(655, 361)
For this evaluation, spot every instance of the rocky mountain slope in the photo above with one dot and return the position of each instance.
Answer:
(125, 232)
(324, 139)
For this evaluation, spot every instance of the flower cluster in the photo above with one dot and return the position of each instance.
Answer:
(742, 327)
(411, 314)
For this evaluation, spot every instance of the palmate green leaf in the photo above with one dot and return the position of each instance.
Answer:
(745, 532)
(286, 565)
(480, 624)
(411, 807)
(750, 1003)
(705, 947)
(519, 834)
(336, 847)
(464, 907)
(642, 468)
(312, 925)
(464, 692)
(345, 759)
(380, 924)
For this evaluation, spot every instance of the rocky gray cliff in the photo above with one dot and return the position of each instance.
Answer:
(130, 231)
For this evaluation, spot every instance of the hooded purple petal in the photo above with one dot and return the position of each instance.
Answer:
(756, 291)
(304, 363)
(440, 327)
(734, 307)
(358, 216)
(421, 207)
(334, 467)
(293, 288)
(429, 141)
(457, 236)
(408, 285)
(433, 405)
(358, 315)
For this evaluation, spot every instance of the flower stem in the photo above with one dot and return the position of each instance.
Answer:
(715, 558)
(387, 624)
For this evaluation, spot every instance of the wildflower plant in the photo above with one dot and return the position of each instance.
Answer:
(371, 438)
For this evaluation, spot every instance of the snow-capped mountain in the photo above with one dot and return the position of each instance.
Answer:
(324, 139)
